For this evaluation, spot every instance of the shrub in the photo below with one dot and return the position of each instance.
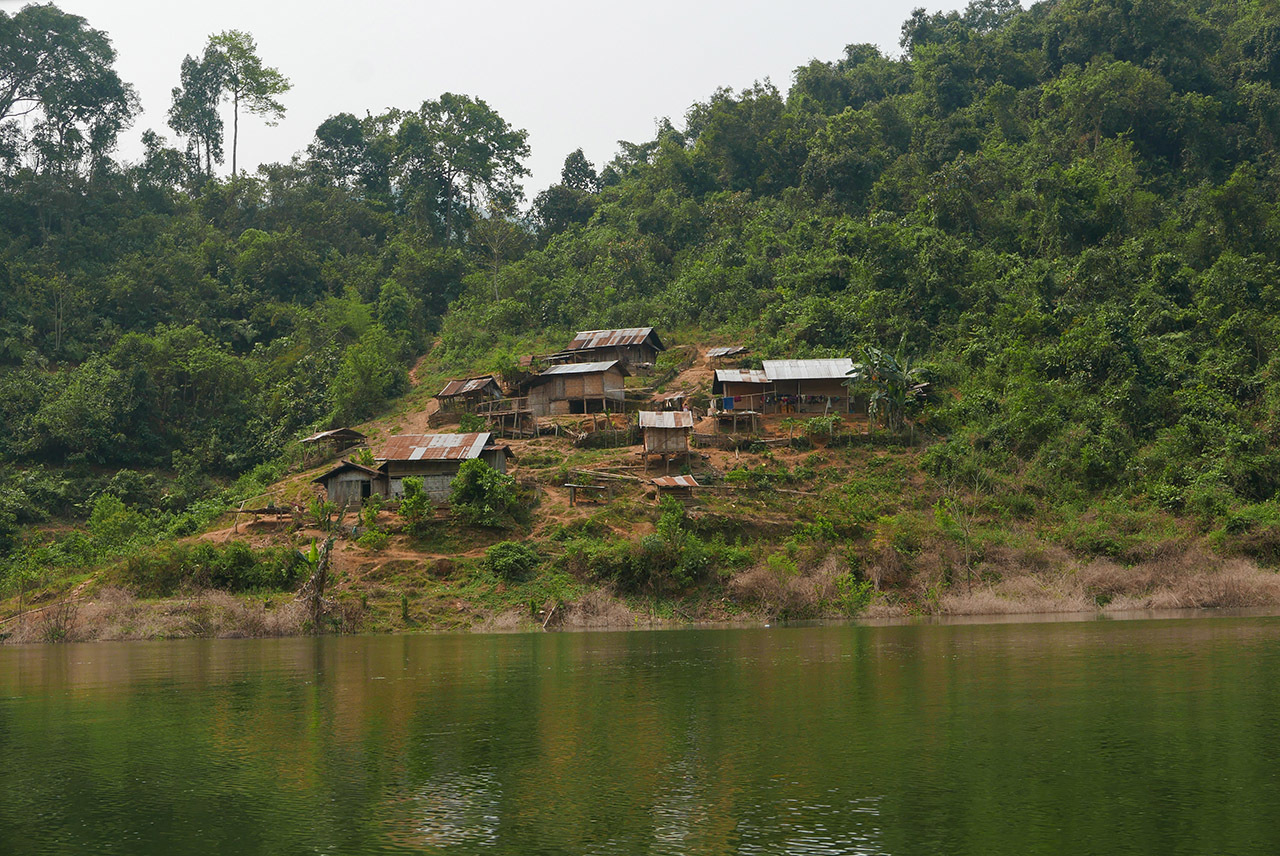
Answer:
(853, 594)
(373, 539)
(469, 422)
(415, 506)
(482, 496)
(369, 512)
(512, 560)
(236, 567)
(111, 523)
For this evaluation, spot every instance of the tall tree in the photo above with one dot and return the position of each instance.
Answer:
(463, 146)
(56, 71)
(246, 81)
(194, 112)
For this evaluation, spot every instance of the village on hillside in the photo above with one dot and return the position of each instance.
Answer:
(604, 389)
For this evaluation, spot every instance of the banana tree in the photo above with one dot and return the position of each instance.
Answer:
(897, 385)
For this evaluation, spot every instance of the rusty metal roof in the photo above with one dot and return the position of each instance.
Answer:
(666, 419)
(741, 376)
(587, 339)
(434, 447)
(471, 384)
(582, 368)
(831, 369)
(725, 351)
(676, 481)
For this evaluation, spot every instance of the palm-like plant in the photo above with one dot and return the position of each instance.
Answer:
(897, 384)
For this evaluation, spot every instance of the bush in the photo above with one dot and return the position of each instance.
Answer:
(236, 567)
(482, 496)
(415, 506)
(111, 523)
(373, 540)
(512, 560)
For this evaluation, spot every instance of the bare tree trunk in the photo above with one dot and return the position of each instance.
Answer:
(235, 128)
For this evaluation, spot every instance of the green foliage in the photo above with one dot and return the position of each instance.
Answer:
(322, 511)
(482, 496)
(373, 540)
(854, 594)
(415, 508)
(1068, 212)
(370, 510)
(175, 568)
(468, 422)
(512, 560)
(111, 524)
(671, 560)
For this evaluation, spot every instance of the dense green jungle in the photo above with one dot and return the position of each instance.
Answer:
(1065, 217)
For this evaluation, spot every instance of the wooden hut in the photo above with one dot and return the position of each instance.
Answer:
(436, 458)
(578, 388)
(810, 386)
(666, 433)
(463, 395)
(637, 347)
(350, 483)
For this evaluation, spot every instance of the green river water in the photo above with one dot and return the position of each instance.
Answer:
(1107, 737)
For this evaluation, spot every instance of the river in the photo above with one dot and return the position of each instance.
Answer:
(1107, 737)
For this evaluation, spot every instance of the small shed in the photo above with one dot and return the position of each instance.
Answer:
(681, 487)
(350, 483)
(578, 388)
(666, 433)
(638, 347)
(338, 439)
(725, 352)
(436, 459)
(811, 386)
(464, 394)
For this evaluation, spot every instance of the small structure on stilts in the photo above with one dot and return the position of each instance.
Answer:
(666, 434)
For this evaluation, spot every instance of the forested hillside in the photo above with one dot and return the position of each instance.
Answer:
(1068, 213)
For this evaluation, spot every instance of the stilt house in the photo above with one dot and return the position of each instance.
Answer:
(810, 386)
(637, 347)
(578, 388)
(460, 396)
(667, 432)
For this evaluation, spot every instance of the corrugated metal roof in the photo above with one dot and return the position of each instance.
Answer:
(434, 447)
(670, 396)
(347, 465)
(336, 433)
(808, 369)
(741, 376)
(465, 385)
(666, 419)
(611, 338)
(725, 351)
(580, 368)
(676, 481)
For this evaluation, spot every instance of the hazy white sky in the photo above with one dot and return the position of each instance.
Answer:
(572, 73)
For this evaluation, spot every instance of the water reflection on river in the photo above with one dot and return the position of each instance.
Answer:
(1101, 737)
